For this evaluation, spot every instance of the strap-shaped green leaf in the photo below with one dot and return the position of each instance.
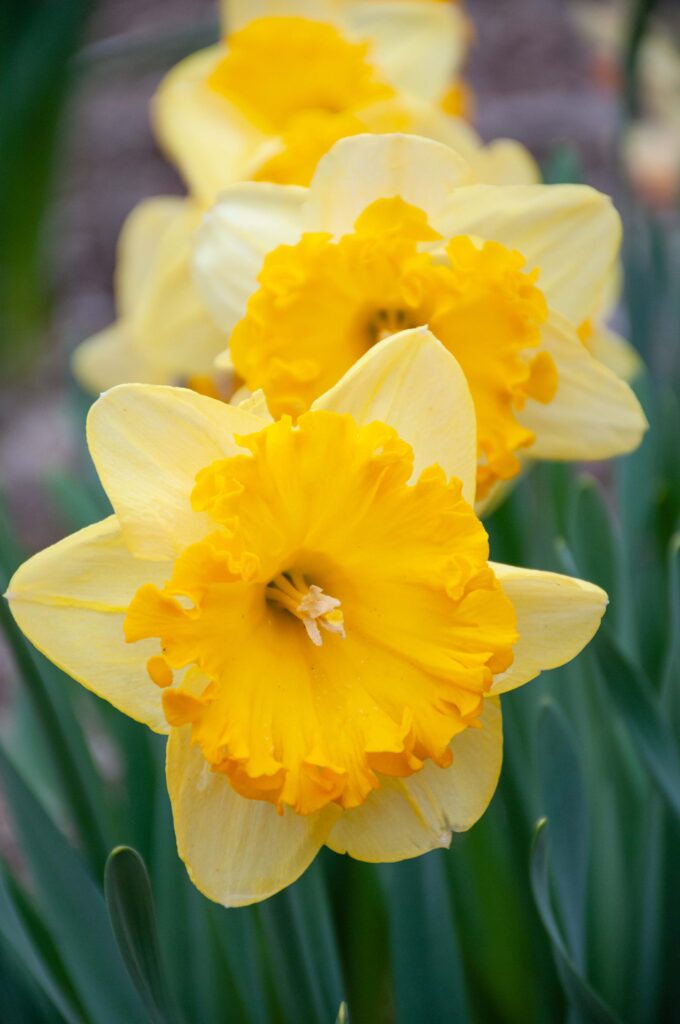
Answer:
(130, 903)
(640, 709)
(591, 1009)
(72, 908)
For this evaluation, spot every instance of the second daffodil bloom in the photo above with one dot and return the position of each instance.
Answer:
(307, 610)
(293, 76)
(388, 236)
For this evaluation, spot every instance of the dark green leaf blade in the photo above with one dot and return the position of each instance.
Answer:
(130, 903)
(426, 958)
(591, 1009)
(564, 805)
(72, 908)
(634, 698)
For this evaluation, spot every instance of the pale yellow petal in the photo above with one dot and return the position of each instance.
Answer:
(171, 325)
(363, 168)
(417, 117)
(418, 47)
(556, 617)
(570, 232)
(148, 443)
(407, 817)
(70, 601)
(237, 851)
(506, 162)
(237, 13)
(254, 403)
(111, 357)
(241, 228)
(616, 352)
(413, 383)
(205, 136)
(138, 247)
(594, 414)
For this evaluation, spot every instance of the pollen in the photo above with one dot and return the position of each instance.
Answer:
(309, 604)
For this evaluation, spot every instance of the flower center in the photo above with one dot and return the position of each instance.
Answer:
(306, 724)
(307, 603)
(323, 302)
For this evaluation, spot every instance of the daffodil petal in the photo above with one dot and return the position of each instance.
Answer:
(615, 352)
(414, 384)
(556, 617)
(237, 13)
(237, 851)
(70, 601)
(407, 817)
(506, 162)
(138, 246)
(570, 232)
(148, 443)
(172, 327)
(208, 139)
(361, 169)
(418, 47)
(244, 225)
(110, 357)
(594, 414)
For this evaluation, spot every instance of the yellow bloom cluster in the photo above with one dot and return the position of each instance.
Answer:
(294, 584)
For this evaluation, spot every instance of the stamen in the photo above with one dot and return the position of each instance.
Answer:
(307, 603)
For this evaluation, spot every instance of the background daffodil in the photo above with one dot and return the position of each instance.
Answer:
(324, 649)
(162, 333)
(391, 235)
(293, 77)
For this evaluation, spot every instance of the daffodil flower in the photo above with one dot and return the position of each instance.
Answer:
(390, 236)
(292, 77)
(307, 610)
(162, 333)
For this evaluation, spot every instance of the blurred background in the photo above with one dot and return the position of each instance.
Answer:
(588, 930)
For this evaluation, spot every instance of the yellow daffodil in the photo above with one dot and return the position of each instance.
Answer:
(163, 333)
(294, 76)
(307, 610)
(389, 236)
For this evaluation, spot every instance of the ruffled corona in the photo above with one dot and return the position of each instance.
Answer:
(323, 302)
(339, 625)
(301, 80)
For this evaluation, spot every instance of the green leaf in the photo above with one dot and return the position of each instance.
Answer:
(130, 903)
(588, 1005)
(564, 805)
(73, 909)
(302, 951)
(671, 669)
(17, 935)
(426, 957)
(634, 698)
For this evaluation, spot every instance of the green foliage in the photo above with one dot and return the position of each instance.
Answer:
(576, 918)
